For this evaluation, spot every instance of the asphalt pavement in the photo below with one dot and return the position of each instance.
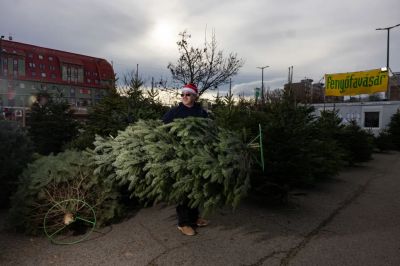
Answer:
(353, 219)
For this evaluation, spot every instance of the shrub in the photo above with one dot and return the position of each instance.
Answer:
(383, 141)
(296, 153)
(51, 124)
(115, 112)
(394, 130)
(16, 152)
(357, 143)
(354, 143)
(328, 128)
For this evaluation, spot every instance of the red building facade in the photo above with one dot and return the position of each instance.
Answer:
(27, 69)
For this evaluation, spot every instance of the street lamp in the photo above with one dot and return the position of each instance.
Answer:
(262, 82)
(387, 53)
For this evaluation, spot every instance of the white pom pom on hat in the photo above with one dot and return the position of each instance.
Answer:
(190, 87)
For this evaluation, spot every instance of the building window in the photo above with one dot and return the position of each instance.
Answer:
(11, 102)
(75, 74)
(4, 67)
(100, 93)
(50, 58)
(21, 67)
(33, 74)
(40, 57)
(69, 74)
(15, 68)
(80, 75)
(371, 119)
(83, 102)
(88, 80)
(30, 55)
(85, 91)
(43, 75)
(72, 101)
(53, 76)
(64, 73)
(42, 66)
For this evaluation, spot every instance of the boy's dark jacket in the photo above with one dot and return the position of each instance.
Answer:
(182, 111)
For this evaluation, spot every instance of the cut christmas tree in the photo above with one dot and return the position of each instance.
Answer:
(189, 160)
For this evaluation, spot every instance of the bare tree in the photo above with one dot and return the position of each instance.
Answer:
(206, 67)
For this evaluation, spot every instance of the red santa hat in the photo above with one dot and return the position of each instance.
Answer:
(191, 88)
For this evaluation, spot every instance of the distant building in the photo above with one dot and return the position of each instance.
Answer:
(394, 84)
(307, 92)
(317, 92)
(25, 69)
(301, 90)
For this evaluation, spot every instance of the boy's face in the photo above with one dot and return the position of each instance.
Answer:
(188, 98)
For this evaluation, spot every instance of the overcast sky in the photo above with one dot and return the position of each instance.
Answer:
(316, 37)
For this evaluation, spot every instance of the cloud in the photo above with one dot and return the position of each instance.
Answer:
(316, 37)
(247, 88)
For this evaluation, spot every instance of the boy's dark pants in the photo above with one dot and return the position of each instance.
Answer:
(187, 216)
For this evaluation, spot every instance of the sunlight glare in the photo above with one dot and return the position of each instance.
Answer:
(163, 35)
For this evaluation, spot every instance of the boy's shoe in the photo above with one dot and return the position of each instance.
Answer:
(202, 222)
(187, 230)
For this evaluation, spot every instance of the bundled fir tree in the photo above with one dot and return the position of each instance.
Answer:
(187, 159)
(52, 179)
